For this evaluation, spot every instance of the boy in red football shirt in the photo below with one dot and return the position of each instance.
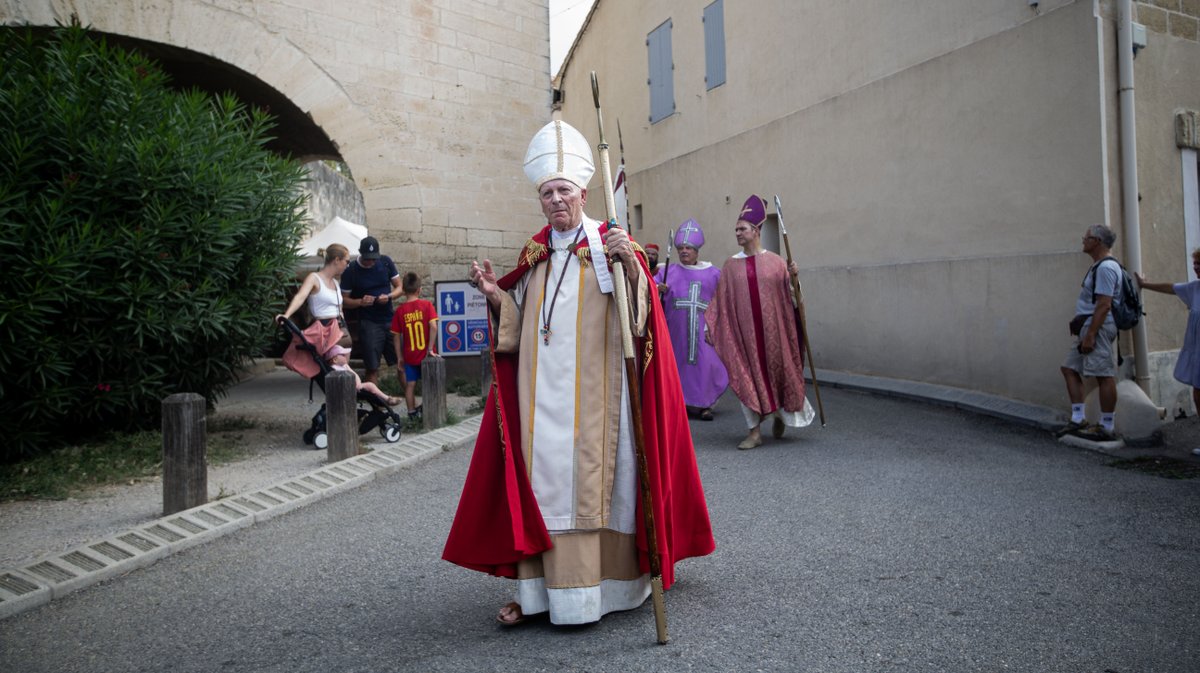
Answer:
(414, 333)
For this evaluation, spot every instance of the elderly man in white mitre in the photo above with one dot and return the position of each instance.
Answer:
(551, 495)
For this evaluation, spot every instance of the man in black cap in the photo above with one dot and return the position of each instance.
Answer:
(369, 284)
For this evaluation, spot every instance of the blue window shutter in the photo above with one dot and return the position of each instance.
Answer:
(662, 86)
(714, 44)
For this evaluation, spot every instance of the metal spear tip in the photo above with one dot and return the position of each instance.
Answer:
(595, 89)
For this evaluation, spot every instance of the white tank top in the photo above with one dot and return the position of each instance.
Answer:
(326, 302)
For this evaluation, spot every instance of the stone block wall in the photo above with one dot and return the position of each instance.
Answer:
(431, 103)
(330, 193)
(1178, 18)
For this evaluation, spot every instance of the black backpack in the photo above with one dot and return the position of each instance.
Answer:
(1127, 308)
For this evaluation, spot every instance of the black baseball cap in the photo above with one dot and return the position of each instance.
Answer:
(369, 248)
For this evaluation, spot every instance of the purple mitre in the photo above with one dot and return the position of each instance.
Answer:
(754, 210)
(689, 233)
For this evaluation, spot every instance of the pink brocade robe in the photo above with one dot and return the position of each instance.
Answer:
(753, 324)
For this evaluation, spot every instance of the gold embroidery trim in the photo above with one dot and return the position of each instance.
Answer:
(648, 353)
(533, 376)
(558, 145)
(606, 344)
(575, 430)
(533, 253)
(499, 411)
(584, 252)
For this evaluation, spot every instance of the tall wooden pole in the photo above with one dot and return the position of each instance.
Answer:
(635, 394)
(799, 297)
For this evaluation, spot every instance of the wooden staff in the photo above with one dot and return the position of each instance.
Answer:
(635, 393)
(667, 266)
(799, 297)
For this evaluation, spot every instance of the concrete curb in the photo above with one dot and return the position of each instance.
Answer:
(57, 575)
(1014, 411)
(1109, 448)
(1025, 413)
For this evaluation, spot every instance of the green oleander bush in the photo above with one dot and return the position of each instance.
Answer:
(142, 231)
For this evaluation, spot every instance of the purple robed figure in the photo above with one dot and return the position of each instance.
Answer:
(690, 287)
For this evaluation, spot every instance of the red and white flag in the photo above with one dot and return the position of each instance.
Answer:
(619, 199)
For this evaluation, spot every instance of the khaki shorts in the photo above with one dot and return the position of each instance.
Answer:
(1100, 361)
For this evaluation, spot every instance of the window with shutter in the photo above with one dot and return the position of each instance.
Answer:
(661, 81)
(714, 44)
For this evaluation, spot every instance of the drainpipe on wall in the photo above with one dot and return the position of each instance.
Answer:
(1129, 179)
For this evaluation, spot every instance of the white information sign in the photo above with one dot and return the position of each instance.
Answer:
(462, 318)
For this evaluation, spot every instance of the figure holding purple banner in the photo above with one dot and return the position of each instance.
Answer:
(690, 286)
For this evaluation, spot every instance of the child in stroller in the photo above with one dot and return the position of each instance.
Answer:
(338, 358)
(380, 415)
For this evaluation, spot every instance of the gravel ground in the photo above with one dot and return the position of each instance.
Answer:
(273, 404)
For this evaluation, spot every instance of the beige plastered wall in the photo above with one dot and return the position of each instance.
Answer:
(937, 168)
(1167, 80)
(1163, 88)
(431, 103)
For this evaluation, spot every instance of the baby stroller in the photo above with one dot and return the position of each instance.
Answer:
(378, 416)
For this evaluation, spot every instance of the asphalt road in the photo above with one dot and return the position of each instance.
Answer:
(902, 537)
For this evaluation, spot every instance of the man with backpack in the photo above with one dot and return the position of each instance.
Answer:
(1094, 332)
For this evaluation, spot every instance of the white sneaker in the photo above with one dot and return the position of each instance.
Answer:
(1196, 452)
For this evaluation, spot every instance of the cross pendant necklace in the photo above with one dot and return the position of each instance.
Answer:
(545, 330)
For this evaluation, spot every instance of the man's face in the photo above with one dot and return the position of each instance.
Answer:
(745, 233)
(1089, 241)
(652, 257)
(366, 263)
(562, 204)
(688, 255)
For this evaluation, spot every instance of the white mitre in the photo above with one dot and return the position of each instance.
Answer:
(559, 151)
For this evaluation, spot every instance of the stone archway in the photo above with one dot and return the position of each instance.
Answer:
(430, 103)
(296, 133)
(258, 77)
(216, 50)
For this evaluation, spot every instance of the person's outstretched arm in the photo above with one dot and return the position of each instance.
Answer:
(1165, 288)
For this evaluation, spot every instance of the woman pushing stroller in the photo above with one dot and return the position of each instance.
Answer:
(324, 296)
(315, 351)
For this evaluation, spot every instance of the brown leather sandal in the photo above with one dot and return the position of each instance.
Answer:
(515, 609)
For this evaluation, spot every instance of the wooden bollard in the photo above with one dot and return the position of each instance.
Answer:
(433, 393)
(185, 466)
(341, 415)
